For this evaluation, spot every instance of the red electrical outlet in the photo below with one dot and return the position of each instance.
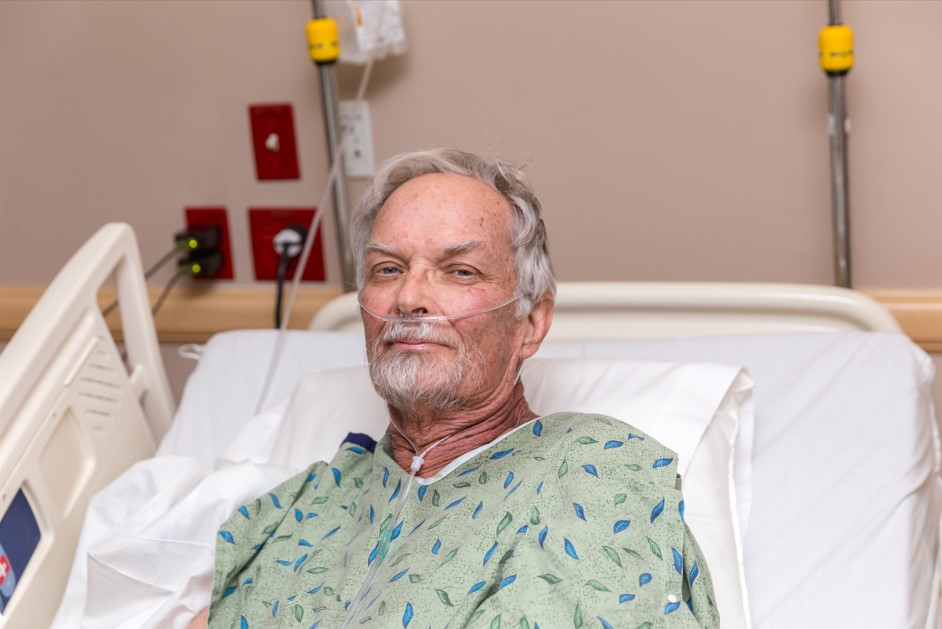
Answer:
(264, 225)
(202, 217)
(276, 152)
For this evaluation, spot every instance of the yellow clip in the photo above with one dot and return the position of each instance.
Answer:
(836, 45)
(323, 40)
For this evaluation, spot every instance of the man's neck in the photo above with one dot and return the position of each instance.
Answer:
(458, 432)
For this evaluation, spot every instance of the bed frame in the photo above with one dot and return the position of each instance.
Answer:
(63, 381)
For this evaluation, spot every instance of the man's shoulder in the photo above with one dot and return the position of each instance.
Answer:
(610, 449)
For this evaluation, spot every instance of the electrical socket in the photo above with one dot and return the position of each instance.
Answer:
(264, 225)
(203, 217)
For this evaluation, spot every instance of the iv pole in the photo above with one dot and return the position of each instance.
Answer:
(836, 43)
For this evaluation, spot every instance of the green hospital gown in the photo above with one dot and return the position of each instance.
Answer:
(570, 520)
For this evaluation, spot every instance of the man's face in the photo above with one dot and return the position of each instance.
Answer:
(441, 245)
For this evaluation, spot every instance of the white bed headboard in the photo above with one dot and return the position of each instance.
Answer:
(631, 310)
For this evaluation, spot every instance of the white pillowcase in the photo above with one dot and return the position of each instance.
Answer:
(694, 409)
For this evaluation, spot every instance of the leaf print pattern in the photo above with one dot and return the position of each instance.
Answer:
(478, 534)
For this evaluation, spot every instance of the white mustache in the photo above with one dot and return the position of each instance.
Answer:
(425, 332)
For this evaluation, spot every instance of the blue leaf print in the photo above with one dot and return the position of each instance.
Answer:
(621, 525)
(399, 575)
(656, 511)
(422, 490)
(274, 500)
(407, 616)
(283, 562)
(570, 549)
(624, 598)
(613, 444)
(489, 554)
(542, 536)
(372, 514)
(538, 428)
(477, 510)
(680, 509)
(315, 590)
(455, 503)
(631, 436)
(244, 512)
(513, 489)
(297, 564)
(539, 488)
(580, 512)
(373, 554)
(509, 479)
(248, 581)
(226, 535)
(662, 462)
(523, 529)
(415, 528)
(470, 471)
(385, 475)
(337, 475)
(243, 623)
(477, 586)
(331, 532)
(395, 531)
(357, 449)
(589, 468)
(395, 492)
(605, 625)
(507, 581)
(644, 579)
(678, 562)
(436, 546)
(229, 590)
(274, 609)
(298, 515)
(304, 542)
(310, 477)
(501, 454)
(671, 607)
(694, 572)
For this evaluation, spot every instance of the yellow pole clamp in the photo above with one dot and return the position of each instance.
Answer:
(836, 45)
(323, 40)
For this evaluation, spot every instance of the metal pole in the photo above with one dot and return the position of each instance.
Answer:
(329, 99)
(837, 132)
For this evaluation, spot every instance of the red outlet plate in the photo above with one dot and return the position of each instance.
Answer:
(202, 217)
(276, 151)
(264, 225)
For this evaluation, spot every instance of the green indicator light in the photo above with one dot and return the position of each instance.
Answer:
(196, 268)
(193, 243)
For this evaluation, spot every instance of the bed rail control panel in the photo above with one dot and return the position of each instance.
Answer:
(19, 537)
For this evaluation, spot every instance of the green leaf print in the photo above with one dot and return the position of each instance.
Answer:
(449, 557)
(298, 613)
(281, 538)
(524, 623)
(437, 522)
(415, 578)
(504, 522)
(534, 516)
(443, 597)
(258, 505)
(398, 559)
(633, 553)
(495, 622)
(482, 479)
(317, 570)
(620, 498)
(595, 585)
(475, 616)
(320, 500)
(645, 625)
(577, 618)
(586, 440)
(655, 548)
(357, 482)
(268, 530)
(382, 608)
(613, 555)
(436, 498)
(563, 468)
(552, 579)
(634, 467)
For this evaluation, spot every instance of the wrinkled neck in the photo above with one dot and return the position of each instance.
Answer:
(440, 437)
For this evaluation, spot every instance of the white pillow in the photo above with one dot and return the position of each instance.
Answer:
(694, 409)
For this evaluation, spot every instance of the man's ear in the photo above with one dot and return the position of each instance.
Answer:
(538, 324)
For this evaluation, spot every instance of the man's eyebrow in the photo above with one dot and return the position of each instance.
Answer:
(462, 248)
(372, 245)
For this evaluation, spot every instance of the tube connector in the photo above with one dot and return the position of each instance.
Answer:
(836, 49)
(323, 40)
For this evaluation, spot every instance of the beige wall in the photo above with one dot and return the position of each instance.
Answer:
(669, 140)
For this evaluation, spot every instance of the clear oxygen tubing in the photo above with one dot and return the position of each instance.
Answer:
(311, 232)
(399, 318)
(386, 535)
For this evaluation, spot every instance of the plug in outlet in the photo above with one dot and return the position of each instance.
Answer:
(203, 217)
(264, 225)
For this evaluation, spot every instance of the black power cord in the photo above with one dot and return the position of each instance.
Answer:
(287, 243)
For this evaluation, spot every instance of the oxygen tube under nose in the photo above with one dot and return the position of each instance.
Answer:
(401, 318)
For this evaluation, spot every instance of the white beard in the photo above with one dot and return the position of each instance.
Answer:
(407, 380)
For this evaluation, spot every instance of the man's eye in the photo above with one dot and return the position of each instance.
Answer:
(463, 273)
(387, 270)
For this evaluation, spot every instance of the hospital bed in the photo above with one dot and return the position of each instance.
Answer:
(812, 469)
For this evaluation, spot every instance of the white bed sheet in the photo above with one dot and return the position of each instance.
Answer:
(846, 494)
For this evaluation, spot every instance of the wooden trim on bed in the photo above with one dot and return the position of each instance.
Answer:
(193, 313)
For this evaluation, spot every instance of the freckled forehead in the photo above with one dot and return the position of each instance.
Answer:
(442, 204)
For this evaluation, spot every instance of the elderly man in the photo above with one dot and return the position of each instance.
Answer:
(471, 510)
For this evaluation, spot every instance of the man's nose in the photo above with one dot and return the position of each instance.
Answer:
(414, 293)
